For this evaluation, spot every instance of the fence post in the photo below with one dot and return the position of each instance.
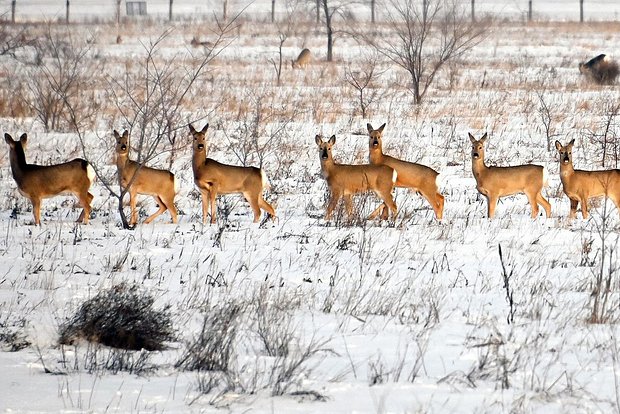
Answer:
(473, 13)
(170, 11)
(67, 17)
(581, 11)
(13, 11)
(529, 11)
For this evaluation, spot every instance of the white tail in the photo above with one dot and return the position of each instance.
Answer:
(37, 182)
(140, 179)
(213, 178)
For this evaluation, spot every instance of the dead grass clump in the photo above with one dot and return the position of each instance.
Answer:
(120, 317)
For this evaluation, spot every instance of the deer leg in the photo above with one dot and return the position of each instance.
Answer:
(436, 201)
(532, 200)
(348, 205)
(267, 207)
(85, 200)
(212, 195)
(132, 204)
(333, 202)
(573, 208)
(439, 202)
(381, 210)
(491, 204)
(253, 200)
(584, 207)
(543, 202)
(162, 208)
(169, 202)
(388, 201)
(36, 210)
(205, 204)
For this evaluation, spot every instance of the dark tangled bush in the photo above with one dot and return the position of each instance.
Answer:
(120, 317)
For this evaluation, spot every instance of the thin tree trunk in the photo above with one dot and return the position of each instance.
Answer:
(372, 10)
(118, 11)
(473, 12)
(273, 11)
(13, 11)
(170, 11)
(529, 11)
(318, 11)
(67, 12)
(225, 10)
(581, 11)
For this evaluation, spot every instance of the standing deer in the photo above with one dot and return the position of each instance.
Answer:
(346, 180)
(37, 182)
(581, 185)
(213, 178)
(417, 177)
(302, 60)
(496, 182)
(140, 179)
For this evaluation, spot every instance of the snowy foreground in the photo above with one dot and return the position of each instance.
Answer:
(411, 316)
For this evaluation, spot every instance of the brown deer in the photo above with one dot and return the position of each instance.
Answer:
(37, 182)
(302, 60)
(581, 185)
(140, 179)
(346, 180)
(213, 178)
(417, 177)
(496, 182)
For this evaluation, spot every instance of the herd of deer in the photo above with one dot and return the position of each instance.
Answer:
(380, 176)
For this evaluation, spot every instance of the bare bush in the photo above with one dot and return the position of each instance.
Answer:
(364, 82)
(120, 317)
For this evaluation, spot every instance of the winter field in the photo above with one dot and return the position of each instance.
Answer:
(301, 315)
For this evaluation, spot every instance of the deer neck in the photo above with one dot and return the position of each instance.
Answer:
(375, 155)
(198, 159)
(478, 167)
(121, 161)
(327, 166)
(566, 169)
(18, 164)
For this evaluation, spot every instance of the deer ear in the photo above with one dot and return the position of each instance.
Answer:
(318, 140)
(381, 128)
(471, 138)
(484, 138)
(125, 134)
(116, 135)
(572, 142)
(191, 128)
(369, 128)
(8, 138)
(558, 145)
(23, 139)
(205, 128)
(332, 140)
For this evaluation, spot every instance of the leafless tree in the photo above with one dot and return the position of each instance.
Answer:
(57, 79)
(332, 9)
(426, 36)
(284, 31)
(363, 81)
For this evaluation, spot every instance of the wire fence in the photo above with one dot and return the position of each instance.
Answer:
(261, 10)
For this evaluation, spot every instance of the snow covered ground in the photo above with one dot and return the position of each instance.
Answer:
(407, 317)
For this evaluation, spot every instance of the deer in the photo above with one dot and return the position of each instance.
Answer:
(417, 177)
(600, 69)
(304, 58)
(136, 178)
(496, 182)
(581, 185)
(213, 178)
(345, 180)
(36, 182)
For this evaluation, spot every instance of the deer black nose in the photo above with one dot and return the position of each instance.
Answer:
(324, 154)
(375, 143)
(566, 159)
(201, 146)
(123, 147)
(475, 155)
